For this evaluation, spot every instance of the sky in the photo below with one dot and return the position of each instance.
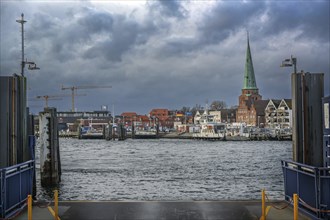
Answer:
(161, 54)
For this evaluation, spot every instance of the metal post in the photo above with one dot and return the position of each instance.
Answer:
(72, 90)
(303, 113)
(295, 206)
(56, 204)
(294, 63)
(22, 30)
(263, 205)
(29, 207)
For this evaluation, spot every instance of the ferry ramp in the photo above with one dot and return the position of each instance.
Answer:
(161, 210)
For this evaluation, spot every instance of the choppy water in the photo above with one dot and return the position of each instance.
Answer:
(169, 170)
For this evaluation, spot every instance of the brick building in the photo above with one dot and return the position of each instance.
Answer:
(250, 102)
(162, 115)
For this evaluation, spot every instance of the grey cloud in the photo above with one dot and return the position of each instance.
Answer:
(178, 47)
(126, 33)
(148, 60)
(169, 8)
(226, 18)
(95, 22)
(312, 17)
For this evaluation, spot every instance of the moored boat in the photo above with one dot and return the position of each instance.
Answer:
(146, 134)
(211, 131)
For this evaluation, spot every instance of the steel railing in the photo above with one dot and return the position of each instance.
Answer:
(16, 183)
(312, 184)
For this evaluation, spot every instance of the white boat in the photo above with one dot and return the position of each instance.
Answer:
(145, 134)
(211, 131)
(94, 131)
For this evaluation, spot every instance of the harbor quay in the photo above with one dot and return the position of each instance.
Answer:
(164, 210)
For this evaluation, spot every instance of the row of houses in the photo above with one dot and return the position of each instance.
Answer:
(271, 113)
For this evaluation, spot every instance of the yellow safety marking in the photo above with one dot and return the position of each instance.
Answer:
(29, 207)
(267, 210)
(263, 205)
(295, 206)
(56, 204)
(53, 212)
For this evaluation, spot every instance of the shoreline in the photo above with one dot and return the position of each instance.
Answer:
(175, 135)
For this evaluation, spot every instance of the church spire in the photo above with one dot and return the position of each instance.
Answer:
(249, 78)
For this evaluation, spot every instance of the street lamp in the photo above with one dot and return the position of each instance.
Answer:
(32, 65)
(290, 62)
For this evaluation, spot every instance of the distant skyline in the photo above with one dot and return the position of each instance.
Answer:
(162, 54)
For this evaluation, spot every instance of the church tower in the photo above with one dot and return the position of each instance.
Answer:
(250, 92)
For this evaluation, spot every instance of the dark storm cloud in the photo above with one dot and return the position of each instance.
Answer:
(178, 47)
(126, 34)
(169, 8)
(311, 17)
(107, 35)
(96, 22)
(164, 54)
(226, 18)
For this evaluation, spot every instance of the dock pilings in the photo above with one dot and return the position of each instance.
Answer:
(50, 163)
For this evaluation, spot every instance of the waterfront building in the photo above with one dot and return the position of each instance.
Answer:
(197, 117)
(128, 117)
(247, 111)
(71, 120)
(278, 113)
(228, 115)
(161, 114)
(207, 116)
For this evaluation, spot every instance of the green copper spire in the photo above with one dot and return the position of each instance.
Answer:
(249, 78)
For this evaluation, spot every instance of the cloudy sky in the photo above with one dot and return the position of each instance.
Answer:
(162, 54)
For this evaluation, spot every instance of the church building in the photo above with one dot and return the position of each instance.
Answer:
(251, 107)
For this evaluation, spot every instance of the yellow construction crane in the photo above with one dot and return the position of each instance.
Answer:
(54, 97)
(73, 88)
(48, 97)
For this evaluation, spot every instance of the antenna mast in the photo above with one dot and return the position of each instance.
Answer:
(32, 65)
(22, 21)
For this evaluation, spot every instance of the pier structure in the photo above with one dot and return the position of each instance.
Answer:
(307, 94)
(326, 131)
(111, 132)
(13, 121)
(305, 175)
(17, 165)
(50, 163)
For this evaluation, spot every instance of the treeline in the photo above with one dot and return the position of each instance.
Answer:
(214, 106)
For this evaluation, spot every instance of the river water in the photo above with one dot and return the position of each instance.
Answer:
(167, 169)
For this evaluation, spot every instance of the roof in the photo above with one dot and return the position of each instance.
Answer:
(128, 114)
(158, 110)
(143, 118)
(260, 106)
(249, 77)
(276, 102)
(288, 102)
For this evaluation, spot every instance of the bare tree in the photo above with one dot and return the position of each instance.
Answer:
(185, 109)
(218, 105)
